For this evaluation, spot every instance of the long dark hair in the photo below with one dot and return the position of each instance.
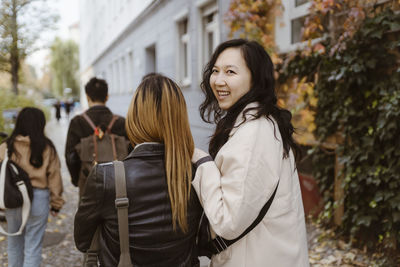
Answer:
(30, 122)
(262, 91)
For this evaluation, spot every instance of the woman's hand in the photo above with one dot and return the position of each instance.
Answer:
(54, 212)
(198, 154)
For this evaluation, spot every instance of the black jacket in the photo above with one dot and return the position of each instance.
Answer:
(153, 242)
(79, 128)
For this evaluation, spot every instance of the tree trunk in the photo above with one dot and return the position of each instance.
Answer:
(14, 73)
(14, 53)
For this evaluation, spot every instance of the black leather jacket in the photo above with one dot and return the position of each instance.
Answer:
(152, 239)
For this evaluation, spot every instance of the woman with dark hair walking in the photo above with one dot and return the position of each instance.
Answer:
(28, 147)
(252, 156)
(163, 210)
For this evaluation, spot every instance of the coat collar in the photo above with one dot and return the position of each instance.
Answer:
(240, 119)
(23, 139)
(99, 107)
(147, 149)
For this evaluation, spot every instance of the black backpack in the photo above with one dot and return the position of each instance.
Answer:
(15, 189)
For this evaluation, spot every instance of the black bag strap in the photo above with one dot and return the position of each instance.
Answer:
(219, 244)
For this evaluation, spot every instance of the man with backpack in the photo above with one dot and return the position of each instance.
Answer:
(96, 136)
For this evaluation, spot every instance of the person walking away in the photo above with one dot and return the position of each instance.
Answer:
(252, 156)
(68, 105)
(79, 128)
(57, 106)
(163, 210)
(30, 149)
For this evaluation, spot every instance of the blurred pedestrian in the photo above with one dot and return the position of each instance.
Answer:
(68, 106)
(164, 211)
(34, 153)
(251, 163)
(57, 106)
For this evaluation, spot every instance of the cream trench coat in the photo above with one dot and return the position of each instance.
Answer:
(234, 188)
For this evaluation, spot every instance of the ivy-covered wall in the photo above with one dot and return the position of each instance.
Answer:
(358, 91)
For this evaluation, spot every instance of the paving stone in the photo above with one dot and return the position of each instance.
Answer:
(52, 238)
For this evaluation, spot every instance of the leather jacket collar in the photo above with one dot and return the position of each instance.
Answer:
(147, 149)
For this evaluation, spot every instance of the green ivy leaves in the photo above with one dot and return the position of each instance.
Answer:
(358, 91)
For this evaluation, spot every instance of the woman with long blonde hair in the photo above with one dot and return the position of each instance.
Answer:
(163, 209)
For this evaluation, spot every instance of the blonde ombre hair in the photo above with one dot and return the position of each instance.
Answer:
(158, 113)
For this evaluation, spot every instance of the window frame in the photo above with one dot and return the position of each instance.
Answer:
(205, 8)
(183, 65)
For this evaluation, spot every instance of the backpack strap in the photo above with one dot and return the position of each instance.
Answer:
(110, 125)
(114, 149)
(219, 244)
(3, 179)
(96, 132)
(95, 149)
(86, 117)
(26, 204)
(122, 204)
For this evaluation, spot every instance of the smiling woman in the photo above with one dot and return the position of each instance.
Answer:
(230, 78)
(252, 162)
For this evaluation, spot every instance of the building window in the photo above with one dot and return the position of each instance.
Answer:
(151, 64)
(123, 74)
(184, 52)
(110, 77)
(210, 31)
(130, 70)
(300, 2)
(116, 77)
(297, 26)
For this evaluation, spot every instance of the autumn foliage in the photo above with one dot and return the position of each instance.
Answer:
(254, 20)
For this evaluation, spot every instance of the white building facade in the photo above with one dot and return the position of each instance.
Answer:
(123, 40)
